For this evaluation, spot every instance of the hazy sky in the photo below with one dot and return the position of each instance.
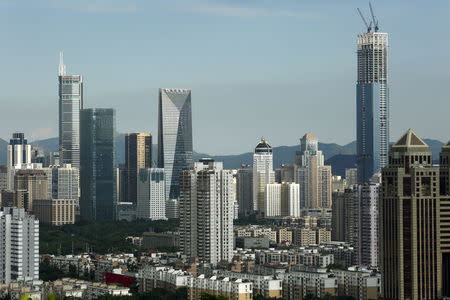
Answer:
(273, 68)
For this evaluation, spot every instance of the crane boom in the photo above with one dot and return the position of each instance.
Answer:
(368, 26)
(375, 21)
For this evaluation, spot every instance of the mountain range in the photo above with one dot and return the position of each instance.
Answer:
(339, 157)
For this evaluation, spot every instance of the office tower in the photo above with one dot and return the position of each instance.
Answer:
(172, 209)
(410, 226)
(444, 219)
(30, 185)
(19, 245)
(64, 182)
(19, 151)
(70, 104)
(351, 177)
(52, 159)
(18, 154)
(138, 155)
(263, 173)
(120, 177)
(206, 212)
(174, 136)
(285, 174)
(372, 103)
(244, 189)
(55, 212)
(151, 197)
(367, 218)
(344, 216)
(7, 198)
(97, 202)
(3, 178)
(312, 175)
(290, 202)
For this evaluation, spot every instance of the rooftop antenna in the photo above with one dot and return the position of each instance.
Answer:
(62, 66)
(368, 26)
(375, 21)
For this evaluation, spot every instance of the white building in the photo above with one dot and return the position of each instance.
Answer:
(263, 173)
(19, 245)
(290, 201)
(18, 153)
(206, 211)
(272, 203)
(151, 197)
(64, 182)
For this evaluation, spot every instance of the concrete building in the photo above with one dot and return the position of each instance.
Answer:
(206, 212)
(444, 192)
(30, 185)
(263, 173)
(231, 288)
(172, 209)
(272, 205)
(151, 197)
(410, 226)
(244, 189)
(372, 104)
(55, 212)
(174, 137)
(152, 240)
(70, 93)
(3, 178)
(312, 175)
(18, 154)
(351, 177)
(358, 283)
(98, 155)
(64, 182)
(19, 245)
(138, 155)
(126, 211)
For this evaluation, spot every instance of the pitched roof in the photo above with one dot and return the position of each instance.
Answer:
(309, 136)
(410, 139)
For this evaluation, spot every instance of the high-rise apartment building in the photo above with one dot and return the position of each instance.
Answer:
(263, 173)
(414, 223)
(282, 200)
(151, 196)
(444, 217)
(70, 103)
(55, 212)
(30, 185)
(138, 155)
(174, 136)
(206, 212)
(19, 245)
(244, 189)
(3, 178)
(97, 202)
(313, 176)
(372, 104)
(351, 177)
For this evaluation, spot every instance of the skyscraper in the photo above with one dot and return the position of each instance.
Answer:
(151, 199)
(30, 185)
(244, 189)
(372, 103)
(19, 151)
(313, 176)
(19, 245)
(444, 219)
(206, 212)
(138, 155)
(174, 136)
(413, 220)
(70, 104)
(97, 181)
(263, 173)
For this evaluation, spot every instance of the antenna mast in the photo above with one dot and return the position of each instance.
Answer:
(62, 66)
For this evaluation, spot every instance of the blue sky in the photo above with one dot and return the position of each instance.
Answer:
(273, 68)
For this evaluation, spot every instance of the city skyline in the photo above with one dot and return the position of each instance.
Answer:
(275, 72)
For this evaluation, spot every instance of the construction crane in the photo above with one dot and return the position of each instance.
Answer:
(375, 21)
(368, 26)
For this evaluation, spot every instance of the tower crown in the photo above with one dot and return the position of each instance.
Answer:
(409, 151)
(263, 147)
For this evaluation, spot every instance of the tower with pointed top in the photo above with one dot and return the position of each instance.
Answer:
(70, 93)
(372, 102)
(413, 224)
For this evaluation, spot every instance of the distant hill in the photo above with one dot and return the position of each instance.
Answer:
(339, 157)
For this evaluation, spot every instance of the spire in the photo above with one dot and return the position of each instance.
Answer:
(62, 66)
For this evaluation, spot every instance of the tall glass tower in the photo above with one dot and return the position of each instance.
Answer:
(174, 136)
(70, 104)
(97, 182)
(372, 104)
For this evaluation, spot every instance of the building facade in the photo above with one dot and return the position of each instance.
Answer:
(244, 189)
(174, 136)
(263, 173)
(206, 212)
(97, 202)
(372, 104)
(70, 93)
(151, 196)
(19, 245)
(312, 175)
(138, 155)
(56, 212)
(29, 186)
